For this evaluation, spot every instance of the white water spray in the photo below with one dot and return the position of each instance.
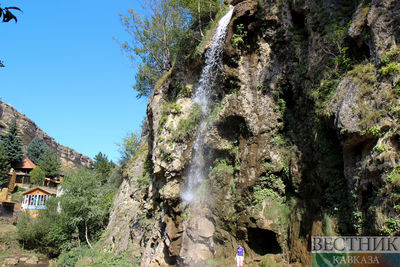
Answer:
(197, 169)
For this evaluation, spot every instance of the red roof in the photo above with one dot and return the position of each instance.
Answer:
(26, 163)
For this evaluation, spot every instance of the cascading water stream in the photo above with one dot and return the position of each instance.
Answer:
(201, 97)
(197, 241)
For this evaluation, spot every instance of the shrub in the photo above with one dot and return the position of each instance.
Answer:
(390, 62)
(129, 147)
(166, 110)
(390, 69)
(363, 73)
(144, 181)
(188, 126)
(83, 256)
(115, 178)
(71, 257)
(392, 55)
(391, 225)
(221, 170)
(394, 178)
(37, 176)
(16, 197)
(99, 258)
(237, 38)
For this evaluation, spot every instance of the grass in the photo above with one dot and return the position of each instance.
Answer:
(10, 245)
(188, 126)
(390, 69)
(16, 197)
(329, 224)
(363, 73)
(216, 110)
(390, 63)
(165, 76)
(166, 110)
(221, 169)
(271, 186)
(279, 210)
(83, 256)
(144, 181)
(392, 55)
(394, 177)
(210, 30)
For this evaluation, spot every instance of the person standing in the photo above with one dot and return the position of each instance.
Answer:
(240, 256)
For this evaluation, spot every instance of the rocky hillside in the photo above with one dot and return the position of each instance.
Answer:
(302, 140)
(68, 157)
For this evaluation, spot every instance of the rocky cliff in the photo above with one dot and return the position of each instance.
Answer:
(302, 140)
(68, 157)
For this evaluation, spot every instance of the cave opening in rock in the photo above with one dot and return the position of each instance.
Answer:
(263, 241)
(298, 19)
(233, 127)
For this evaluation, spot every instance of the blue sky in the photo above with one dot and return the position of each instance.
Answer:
(66, 73)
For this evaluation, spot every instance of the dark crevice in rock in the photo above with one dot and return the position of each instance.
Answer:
(231, 84)
(233, 127)
(171, 260)
(367, 194)
(263, 241)
(298, 20)
(358, 50)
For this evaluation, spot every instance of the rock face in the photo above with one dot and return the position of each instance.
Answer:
(303, 140)
(68, 157)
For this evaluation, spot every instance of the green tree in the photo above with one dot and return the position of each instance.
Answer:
(37, 176)
(49, 164)
(201, 11)
(83, 208)
(4, 166)
(36, 149)
(128, 148)
(85, 203)
(103, 166)
(49, 233)
(12, 143)
(115, 178)
(155, 40)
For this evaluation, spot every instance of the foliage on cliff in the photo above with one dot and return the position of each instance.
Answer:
(168, 31)
(304, 136)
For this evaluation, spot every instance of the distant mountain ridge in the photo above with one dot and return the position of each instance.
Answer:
(68, 157)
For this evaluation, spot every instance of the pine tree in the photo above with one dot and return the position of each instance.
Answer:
(4, 166)
(36, 149)
(103, 166)
(12, 143)
(49, 164)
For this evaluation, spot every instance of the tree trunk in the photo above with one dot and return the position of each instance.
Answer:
(86, 236)
(199, 13)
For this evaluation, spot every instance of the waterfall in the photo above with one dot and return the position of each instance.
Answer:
(197, 241)
(197, 169)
